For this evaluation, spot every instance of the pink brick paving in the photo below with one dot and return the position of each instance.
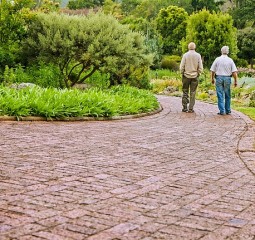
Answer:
(171, 175)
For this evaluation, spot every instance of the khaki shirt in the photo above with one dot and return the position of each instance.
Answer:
(191, 64)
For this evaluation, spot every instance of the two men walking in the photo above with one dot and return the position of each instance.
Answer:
(222, 69)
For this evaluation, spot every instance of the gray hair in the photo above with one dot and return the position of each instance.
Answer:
(192, 46)
(225, 50)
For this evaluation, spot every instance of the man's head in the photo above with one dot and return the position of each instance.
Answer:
(225, 50)
(192, 46)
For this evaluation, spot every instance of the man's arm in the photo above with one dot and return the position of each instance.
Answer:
(182, 65)
(234, 74)
(200, 66)
(212, 76)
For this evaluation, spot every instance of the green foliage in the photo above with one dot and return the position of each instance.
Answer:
(171, 23)
(53, 103)
(211, 31)
(14, 16)
(112, 8)
(149, 9)
(241, 62)
(41, 74)
(99, 80)
(80, 4)
(252, 103)
(246, 44)
(82, 45)
(210, 5)
(244, 13)
(249, 111)
(163, 78)
(47, 6)
(153, 39)
(138, 77)
(171, 62)
(128, 6)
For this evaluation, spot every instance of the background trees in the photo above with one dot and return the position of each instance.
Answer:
(244, 13)
(211, 31)
(171, 24)
(246, 44)
(14, 17)
(210, 5)
(122, 44)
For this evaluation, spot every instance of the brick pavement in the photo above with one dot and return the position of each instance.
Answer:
(172, 175)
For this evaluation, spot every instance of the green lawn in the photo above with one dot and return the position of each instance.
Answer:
(249, 111)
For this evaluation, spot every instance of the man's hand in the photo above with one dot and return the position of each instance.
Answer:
(213, 81)
(235, 84)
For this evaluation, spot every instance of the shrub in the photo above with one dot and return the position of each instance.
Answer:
(40, 74)
(171, 62)
(82, 45)
(241, 62)
(252, 103)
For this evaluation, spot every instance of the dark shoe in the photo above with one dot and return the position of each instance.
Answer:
(184, 110)
(228, 113)
(221, 113)
(191, 111)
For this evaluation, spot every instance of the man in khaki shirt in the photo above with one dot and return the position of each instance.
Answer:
(191, 67)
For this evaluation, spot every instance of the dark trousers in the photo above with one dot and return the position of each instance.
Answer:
(189, 87)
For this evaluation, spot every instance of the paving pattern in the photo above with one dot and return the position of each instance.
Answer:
(171, 175)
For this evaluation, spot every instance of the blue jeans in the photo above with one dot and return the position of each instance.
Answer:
(223, 84)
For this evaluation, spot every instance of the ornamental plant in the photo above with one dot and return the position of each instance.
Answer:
(82, 45)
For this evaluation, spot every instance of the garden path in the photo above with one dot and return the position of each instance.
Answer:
(171, 175)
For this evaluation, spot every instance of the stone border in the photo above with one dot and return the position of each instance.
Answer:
(72, 119)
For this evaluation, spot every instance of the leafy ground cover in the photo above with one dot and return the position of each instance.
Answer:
(55, 103)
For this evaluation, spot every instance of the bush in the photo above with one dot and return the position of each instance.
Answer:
(171, 62)
(138, 77)
(252, 103)
(40, 74)
(241, 62)
(84, 45)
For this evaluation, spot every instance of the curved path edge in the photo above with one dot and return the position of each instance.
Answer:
(246, 145)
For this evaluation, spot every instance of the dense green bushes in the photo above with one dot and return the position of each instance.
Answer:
(41, 74)
(171, 62)
(82, 45)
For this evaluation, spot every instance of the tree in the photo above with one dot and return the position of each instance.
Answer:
(82, 45)
(128, 6)
(153, 40)
(211, 31)
(171, 24)
(149, 9)
(246, 44)
(210, 5)
(14, 17)
(244, 13)
(112, 8)
(79, 4)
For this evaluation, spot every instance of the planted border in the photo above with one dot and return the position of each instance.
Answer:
(51, 103)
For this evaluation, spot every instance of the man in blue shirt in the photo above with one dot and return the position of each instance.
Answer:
(222, 69)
